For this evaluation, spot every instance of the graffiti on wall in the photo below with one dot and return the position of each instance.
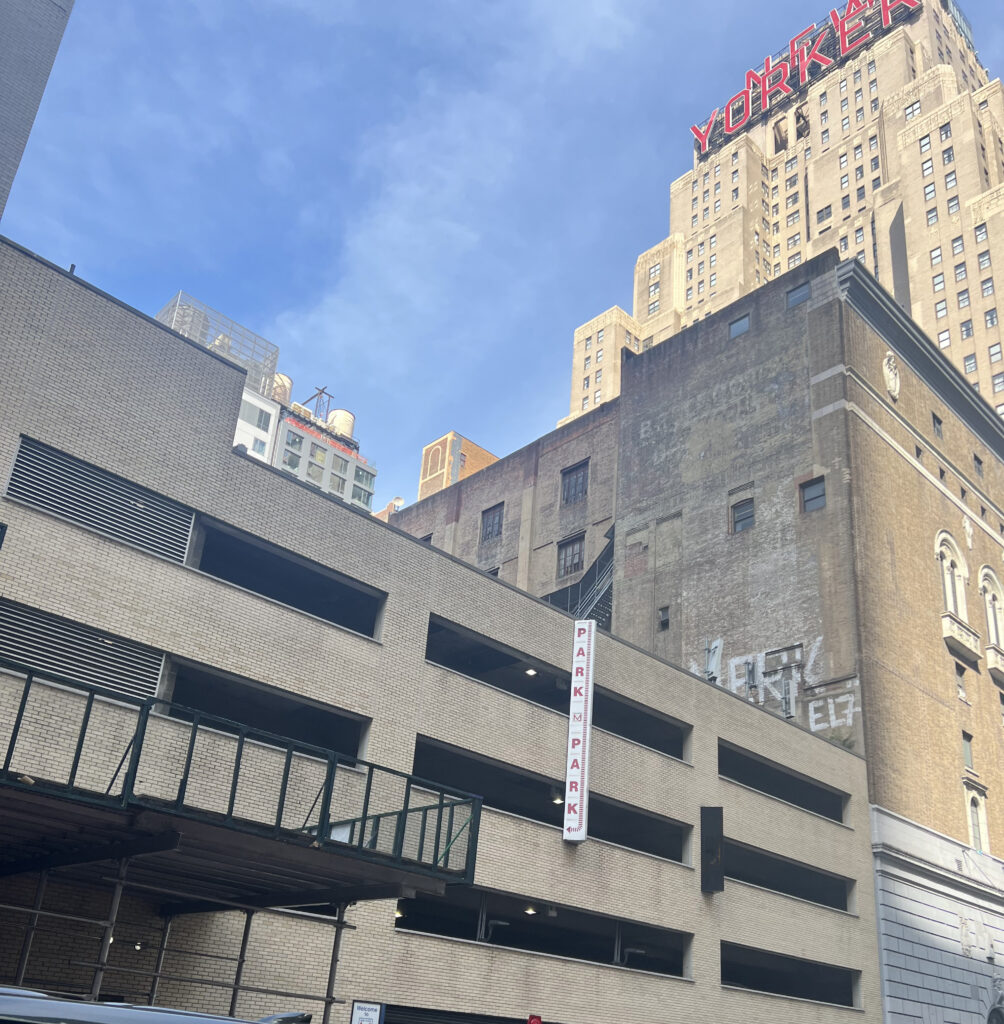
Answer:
(789, 681)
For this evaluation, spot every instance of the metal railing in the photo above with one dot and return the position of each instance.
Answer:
(102, 747)
(580, 598)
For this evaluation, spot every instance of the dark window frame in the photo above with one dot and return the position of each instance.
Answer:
(571, 556)
(492, 520)
(812, 494)
(742, 515)
(575, 483)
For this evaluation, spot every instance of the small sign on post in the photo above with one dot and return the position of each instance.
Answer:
(580, 722)
(368, 1013)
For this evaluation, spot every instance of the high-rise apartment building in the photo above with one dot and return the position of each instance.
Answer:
(314, 445)
(876, 132)
(30, 34)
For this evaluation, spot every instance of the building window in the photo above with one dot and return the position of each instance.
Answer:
(951, 180)
(291, 460)
(361, 496)
(976, 824)
(978, 464)
(984, 259)
(654, 270)
(936, 425)
(929, 192)
(958, 246)
(664, 619)
(932, 216)
(927, 168)
(967, 329)
(799, 295)
(491, 522)
(742, 515)
(294, 441)
(941, 309)
(260, 419)
(981, 232)
(998, 380)
(953, 575)
(813, 494)
(913, 111)
(944, 338)
(925, 144)
(969, 363)
(967, 750)
(575, 483)
(824, 214)
(739, 327)
(935, 256)
(990, 317)
(258, 446)
(945, 131)
(987, 287)
(938, 282)
(571, 556)
(653, 307)
(953, 204)
(960, 272)
(963, 298)
(993, 601)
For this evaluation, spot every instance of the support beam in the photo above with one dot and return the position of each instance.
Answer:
(162, 843)
(107, 936)
(302, 898)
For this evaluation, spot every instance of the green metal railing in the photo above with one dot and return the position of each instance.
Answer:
(125, 752)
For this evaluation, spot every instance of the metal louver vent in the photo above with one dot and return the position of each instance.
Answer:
(77, 653)
(63, 486)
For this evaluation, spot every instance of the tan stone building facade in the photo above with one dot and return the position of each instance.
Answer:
(894, 155)
(195, 577)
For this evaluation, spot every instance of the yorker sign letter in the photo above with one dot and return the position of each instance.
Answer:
(580, 723)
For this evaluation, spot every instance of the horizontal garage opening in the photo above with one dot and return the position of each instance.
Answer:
(275, 573)
(762, 971)
(418, 1015)
(516, 922)
(264, 708)
(535, 796)
(489, 661)
(777, 781)
(757, 867)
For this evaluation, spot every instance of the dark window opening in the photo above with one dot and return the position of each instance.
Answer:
(742, 515)
(571, 556)
(813, 494)
(799, 295)
(757, 867)
(415, 1015)
(774, 780)
(786, 975)
(491, 522)
(3, 533)
(739, 327)
(261, 707)
(462, 650)
(427, 539)
(664, 619)
(508, 788)
(516, 922)
(280, 575)
(937, 425)
(574, 483)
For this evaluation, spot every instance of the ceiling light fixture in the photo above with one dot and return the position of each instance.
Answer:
(530, 910)
(531, 671)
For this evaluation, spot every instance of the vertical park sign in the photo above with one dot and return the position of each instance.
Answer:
(580, 722)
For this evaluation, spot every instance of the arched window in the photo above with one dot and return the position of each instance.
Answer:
(954, 574)
(993, 601)
(975, 824)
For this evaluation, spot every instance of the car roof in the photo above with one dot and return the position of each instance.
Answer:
(19, 1004)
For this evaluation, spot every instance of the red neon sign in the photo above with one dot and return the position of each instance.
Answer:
(820, 45)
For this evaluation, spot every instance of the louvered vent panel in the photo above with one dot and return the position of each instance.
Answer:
(77, 653)
(63, 486)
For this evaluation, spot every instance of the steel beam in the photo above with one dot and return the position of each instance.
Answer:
(162, 843)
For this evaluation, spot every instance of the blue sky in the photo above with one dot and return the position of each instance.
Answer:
(417, 201)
